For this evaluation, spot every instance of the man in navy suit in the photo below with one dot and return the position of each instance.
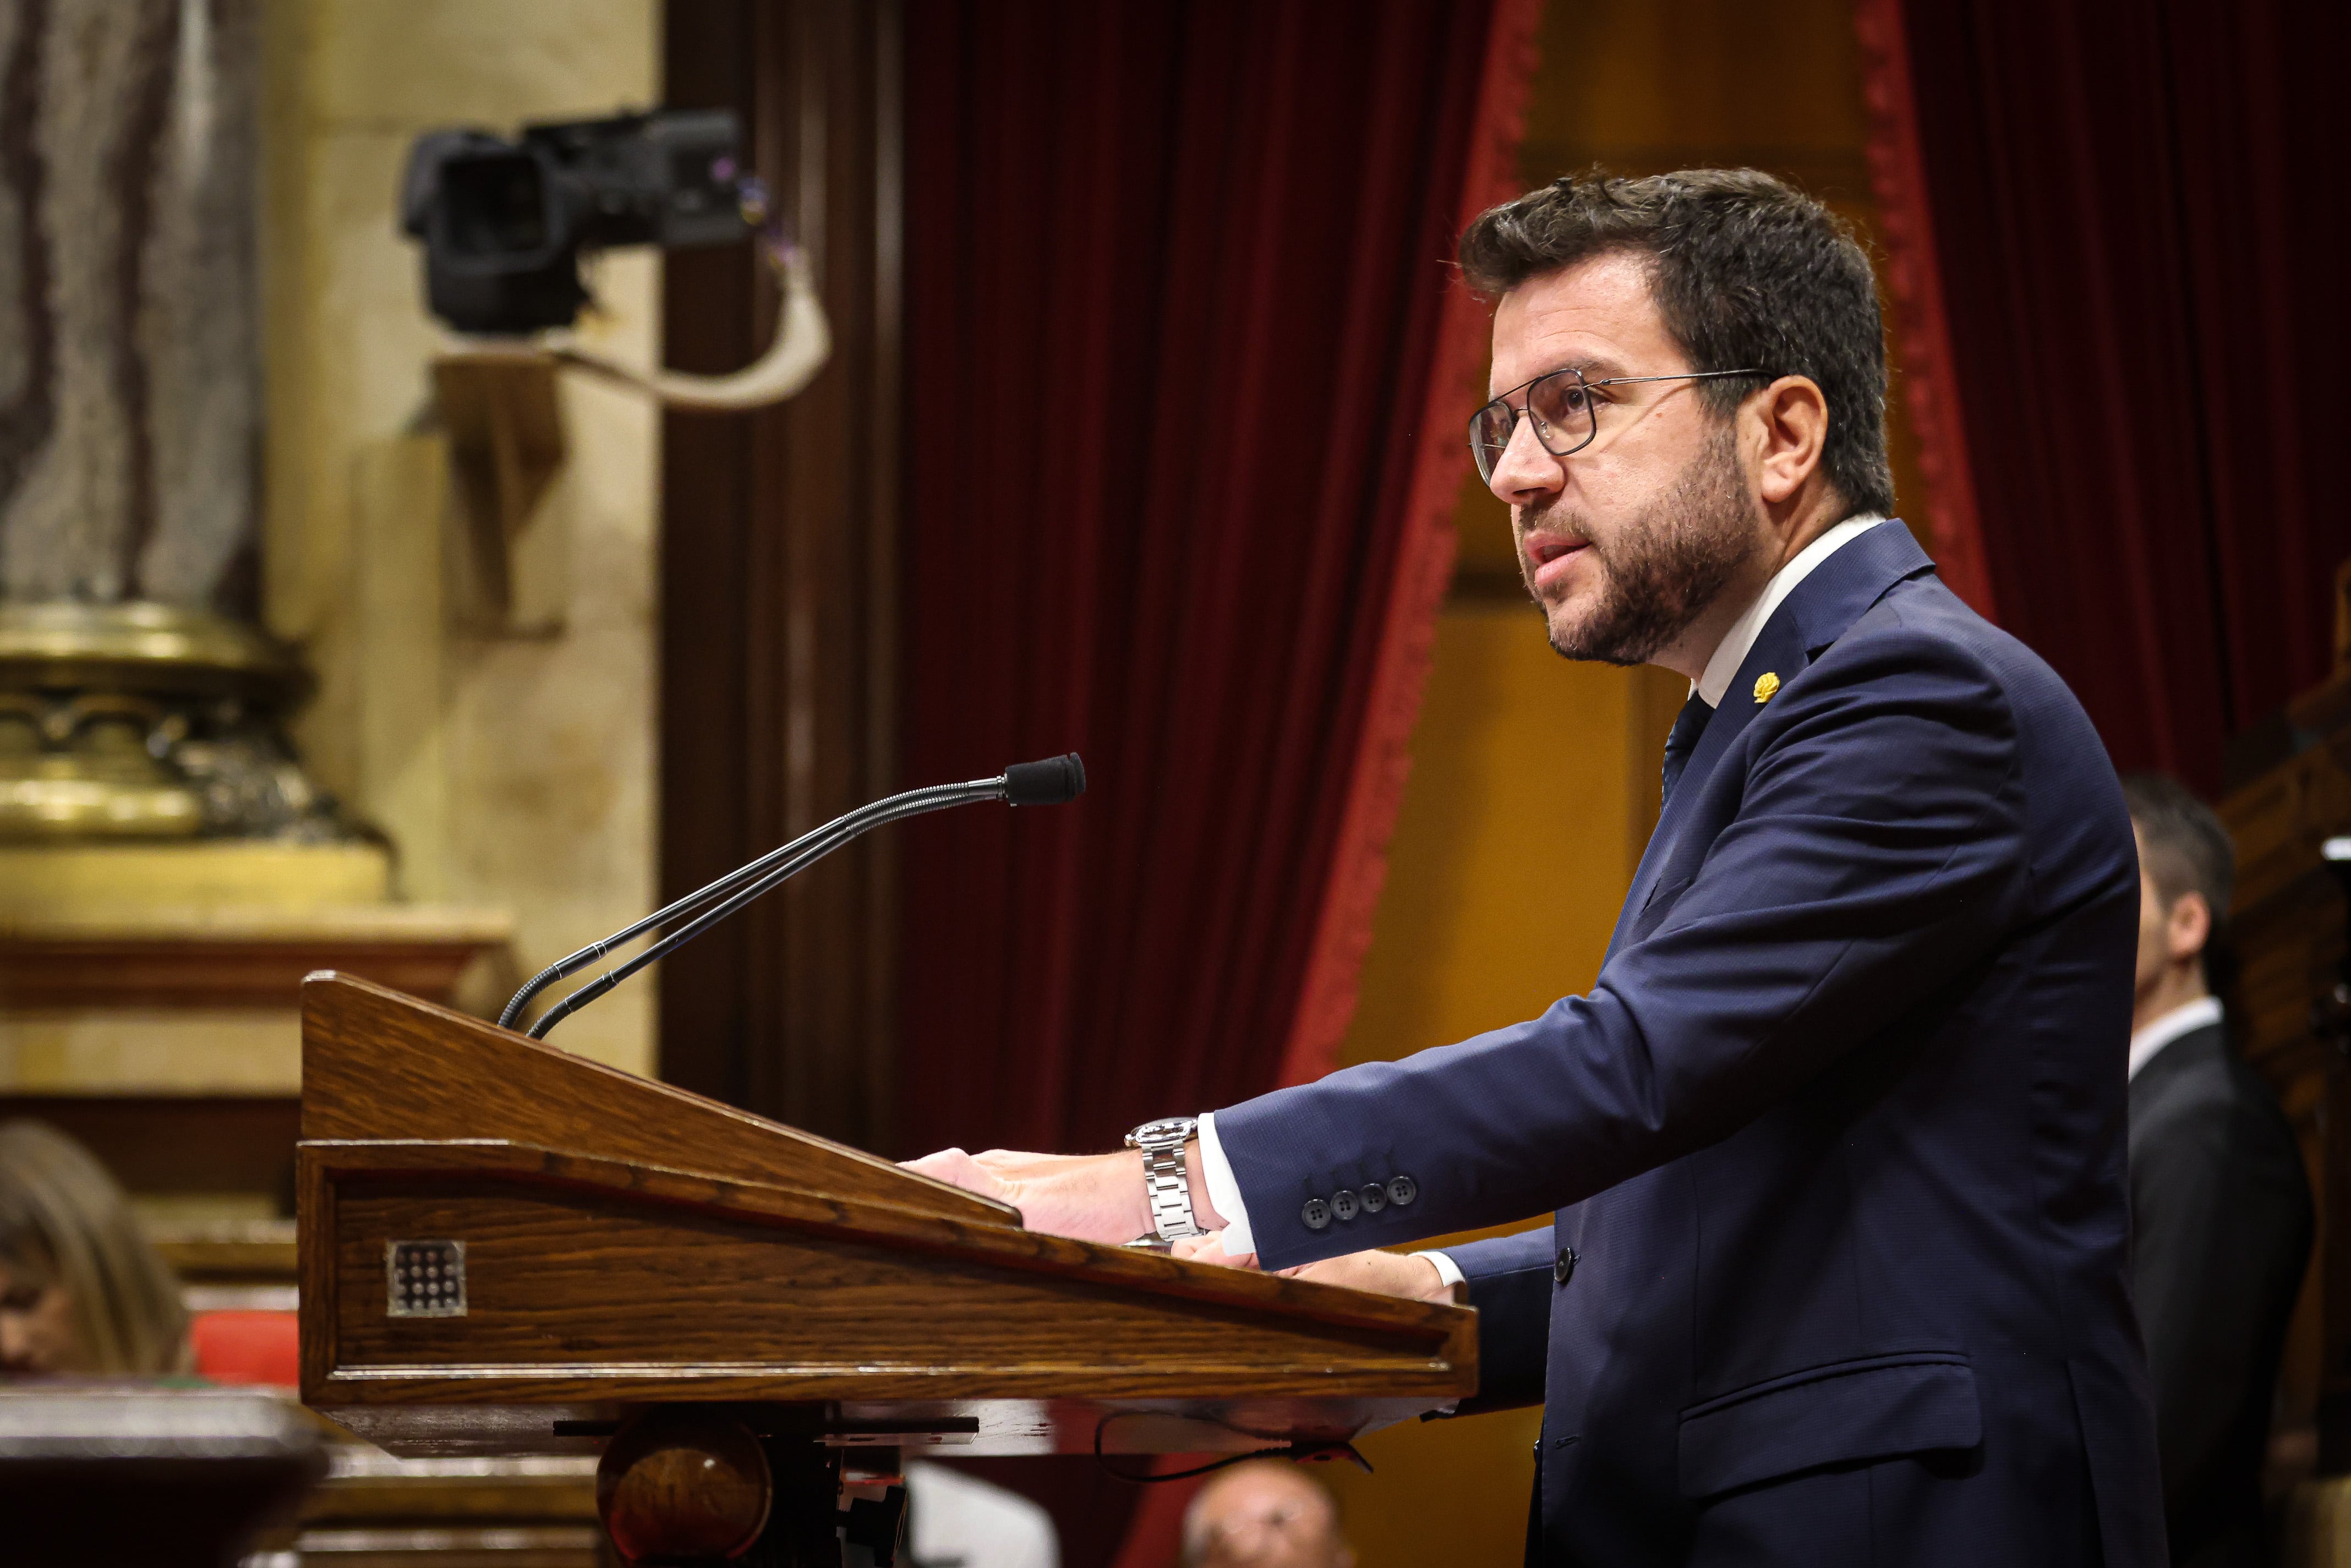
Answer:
(1837, 1273)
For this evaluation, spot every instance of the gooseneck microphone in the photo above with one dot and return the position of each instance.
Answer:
(1054, 781)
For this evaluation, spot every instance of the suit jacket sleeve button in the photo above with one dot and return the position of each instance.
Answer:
(1402, 1191)
(1562, 1268)
(1316, 1214)
(1375, 1198)
(1345, 1203)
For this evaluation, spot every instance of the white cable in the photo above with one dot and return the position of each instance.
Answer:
(802, 344)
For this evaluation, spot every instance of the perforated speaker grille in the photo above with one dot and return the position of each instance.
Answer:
(424, 1279)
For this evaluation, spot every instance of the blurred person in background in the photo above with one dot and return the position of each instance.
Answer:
(2220, 1210)
(82, 1290)
(1265, 1513)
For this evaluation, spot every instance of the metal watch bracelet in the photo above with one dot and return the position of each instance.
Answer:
(1165, 1179)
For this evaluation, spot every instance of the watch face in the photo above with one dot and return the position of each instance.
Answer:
(1166, 1127)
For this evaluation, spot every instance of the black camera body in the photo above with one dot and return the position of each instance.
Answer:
(504, 222)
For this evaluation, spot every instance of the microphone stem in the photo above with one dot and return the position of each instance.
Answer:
(820, 839)
(830, 837)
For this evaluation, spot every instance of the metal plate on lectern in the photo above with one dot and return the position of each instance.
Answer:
(424, 1279)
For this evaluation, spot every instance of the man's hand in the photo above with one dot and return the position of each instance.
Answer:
(1381, 1273)
(1089, 1197)
(1210, 1248)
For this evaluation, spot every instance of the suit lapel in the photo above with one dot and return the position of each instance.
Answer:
(1778, 648)
(1839, 591)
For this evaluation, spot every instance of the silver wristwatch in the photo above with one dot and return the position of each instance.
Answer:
(1161, 1143)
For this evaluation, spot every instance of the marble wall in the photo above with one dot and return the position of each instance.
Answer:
(130, 393)
(511, 767)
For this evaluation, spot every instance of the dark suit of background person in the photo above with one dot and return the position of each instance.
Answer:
(2221, 1232)
(1837, 1273)
(2221, 1207)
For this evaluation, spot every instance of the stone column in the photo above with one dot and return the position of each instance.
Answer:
(130, 378)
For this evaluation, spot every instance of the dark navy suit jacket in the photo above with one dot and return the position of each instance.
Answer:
(1838, 1269)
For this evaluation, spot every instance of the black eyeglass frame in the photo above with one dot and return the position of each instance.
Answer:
(1479, 450)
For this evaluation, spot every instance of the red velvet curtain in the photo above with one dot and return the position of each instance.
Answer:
(2137, 231)
(1175, 283)
(1182, 348)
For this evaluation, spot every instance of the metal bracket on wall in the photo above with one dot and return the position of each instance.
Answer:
(506, 569)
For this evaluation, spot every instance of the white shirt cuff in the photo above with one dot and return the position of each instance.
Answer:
(1224, 1192)
(1446, 1268)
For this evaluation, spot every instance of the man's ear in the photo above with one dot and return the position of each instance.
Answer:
(2188, 926)
(1791, 423)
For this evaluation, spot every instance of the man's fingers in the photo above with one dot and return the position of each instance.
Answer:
(1092, 1197)
(1385, 1273)
(1210, 1248)
(942, 1165)
(958, 1169)
(1013, 1162)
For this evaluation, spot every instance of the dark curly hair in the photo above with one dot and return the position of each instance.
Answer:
(1747, 270)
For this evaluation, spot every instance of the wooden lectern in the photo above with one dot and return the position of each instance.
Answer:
(507, 1248)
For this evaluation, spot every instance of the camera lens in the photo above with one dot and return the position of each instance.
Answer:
(496, 204)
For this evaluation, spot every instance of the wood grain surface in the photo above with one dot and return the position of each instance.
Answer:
(46, 968)
(378, 1064)
(627, 1244)
(590, 1278)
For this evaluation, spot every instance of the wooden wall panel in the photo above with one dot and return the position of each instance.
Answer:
(2288, 932)
(779, 539)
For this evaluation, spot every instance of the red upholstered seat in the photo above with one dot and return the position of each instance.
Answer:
(247, 1347)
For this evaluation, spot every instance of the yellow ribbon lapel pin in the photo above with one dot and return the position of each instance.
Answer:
(1766, 685)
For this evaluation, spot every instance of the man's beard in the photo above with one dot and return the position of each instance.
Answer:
(1663, 567)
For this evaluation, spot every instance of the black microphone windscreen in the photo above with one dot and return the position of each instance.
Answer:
(1055, 781)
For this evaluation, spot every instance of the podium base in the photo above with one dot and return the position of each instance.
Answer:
(686, 1486)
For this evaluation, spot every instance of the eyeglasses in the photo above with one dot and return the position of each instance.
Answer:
(1560, 406)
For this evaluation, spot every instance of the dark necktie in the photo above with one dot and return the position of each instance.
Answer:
(1689, 725)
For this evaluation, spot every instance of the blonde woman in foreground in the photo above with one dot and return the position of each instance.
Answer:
(82, 1291)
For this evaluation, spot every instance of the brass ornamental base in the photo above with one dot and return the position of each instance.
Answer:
(146, 721)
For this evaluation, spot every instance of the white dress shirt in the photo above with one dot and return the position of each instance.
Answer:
(2184, 1019)
(1216, 1172)
(1737, 643)
(952, 1517)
